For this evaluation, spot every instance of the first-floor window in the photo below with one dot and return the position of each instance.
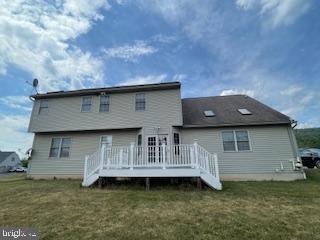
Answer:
(139, 144)
(106, 140)
(228, 141)
(242, 140)
(234, 141)
(60, 147)
(139, 140)
(176, 142)
(176, 138)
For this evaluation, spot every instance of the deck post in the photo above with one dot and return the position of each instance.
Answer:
(131, 155)
(216, 167)
(196, 156)
(163, 156)
(147, 184)
(100, 182)
(102, 155)
(199, 183)
(85, 168)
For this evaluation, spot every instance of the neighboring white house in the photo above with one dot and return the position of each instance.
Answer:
(8, 160)
(149, 131)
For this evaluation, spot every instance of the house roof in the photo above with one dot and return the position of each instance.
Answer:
(4, 155)
(119, 89)
(226, 112)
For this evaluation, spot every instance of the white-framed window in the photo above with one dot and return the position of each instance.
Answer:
(60, 147)
(104, 103)
(176, 138)
(86, 104)
(176, 142)
(236, 141)
(139, 143)
(140, 102)
(107, 140)
(44, 106)
(139, 140)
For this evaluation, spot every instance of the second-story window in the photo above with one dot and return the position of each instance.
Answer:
(140, 102)
(44, 107)
(86, 104)
(104, 103)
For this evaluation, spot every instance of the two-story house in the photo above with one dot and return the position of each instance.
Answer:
(149, 131)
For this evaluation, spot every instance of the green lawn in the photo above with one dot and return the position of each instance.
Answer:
(60, 209)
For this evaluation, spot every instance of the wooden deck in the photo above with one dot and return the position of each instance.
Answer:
(185, 160)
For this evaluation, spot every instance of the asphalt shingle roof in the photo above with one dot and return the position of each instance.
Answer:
(4, 155)
(118, 89)
(226, 112)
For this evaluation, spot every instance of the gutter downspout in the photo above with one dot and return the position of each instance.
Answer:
(294, 144)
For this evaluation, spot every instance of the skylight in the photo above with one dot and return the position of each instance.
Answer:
(244, 111)
(209, 113)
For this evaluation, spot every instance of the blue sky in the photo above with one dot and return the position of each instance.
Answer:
(268, 49)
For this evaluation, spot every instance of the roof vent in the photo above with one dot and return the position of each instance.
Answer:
(244, 111)
(209, 113)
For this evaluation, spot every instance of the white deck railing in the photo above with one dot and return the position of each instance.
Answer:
(165, 156)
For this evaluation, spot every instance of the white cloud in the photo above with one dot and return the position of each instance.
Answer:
(291, 90)
(179, 77)
(17, 102)
(130, 53)
(195, 17)
(153, 79)
(227, 92)
(246, 4)
(35, 36)
(145, 79)
(277, 12)
(13, 134)
(296, 107)
(238, 60)
(164, 38)
(310, 123)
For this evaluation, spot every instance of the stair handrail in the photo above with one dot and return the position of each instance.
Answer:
(208, 162)
(91, 164)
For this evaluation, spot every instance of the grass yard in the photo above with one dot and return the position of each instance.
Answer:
(60, 209)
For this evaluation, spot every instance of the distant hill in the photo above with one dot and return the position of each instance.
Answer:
(308, 137)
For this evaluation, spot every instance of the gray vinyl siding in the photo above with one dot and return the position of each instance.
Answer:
(82, 144)
(163, 109)
(8, 163)
(269, 147)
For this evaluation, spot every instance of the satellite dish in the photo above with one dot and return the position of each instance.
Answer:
(35, 83)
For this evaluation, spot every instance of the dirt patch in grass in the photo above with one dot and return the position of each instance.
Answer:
(60, 209)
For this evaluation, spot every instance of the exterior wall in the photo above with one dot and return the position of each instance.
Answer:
(163, 110)
(82, 143)
(270, 146)
(11, 161)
